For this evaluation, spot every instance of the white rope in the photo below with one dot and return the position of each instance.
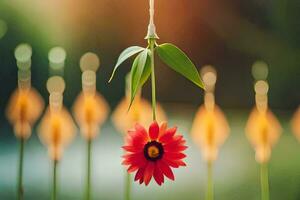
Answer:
(151, 11)
(151, 27)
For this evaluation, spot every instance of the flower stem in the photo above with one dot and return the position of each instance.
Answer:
(210, 183)
(20, 172)
(264, 180)
(54, 186)
(152, 43)
(127, 193)
(88, 175)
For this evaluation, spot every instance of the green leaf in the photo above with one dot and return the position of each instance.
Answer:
(137, 71)
(179, 62)
(147, 70)
(127, 53)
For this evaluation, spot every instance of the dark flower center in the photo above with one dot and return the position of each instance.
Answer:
(153, 151)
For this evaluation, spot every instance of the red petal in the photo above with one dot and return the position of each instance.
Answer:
(134, 165)
(168, 135)
(174, 148)
(140, 129)
(153, 131)
(141, 180)
(171, 163)
(158, 175)
(132, 149)
(174, 163)
(149, 172)
(163, 127)
(126, 162)
(132, 168)
(139, 174)
(133, 155)
(137, 138)
(134, 159)
(180, 163)
(177, 139)
(166, 170)
(174, 156)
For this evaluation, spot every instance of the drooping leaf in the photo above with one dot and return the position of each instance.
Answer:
(179, 62)
(137, 70)
(127, 53)
(147, 70)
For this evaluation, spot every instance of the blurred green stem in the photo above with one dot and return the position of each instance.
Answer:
(264, 180)
(128, 186)
(152, 43)
(54, 186)
(210, 183)
(20, 172)
(88, 175)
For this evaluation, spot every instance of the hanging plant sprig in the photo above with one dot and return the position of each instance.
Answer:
(143, 64)
(162, 148)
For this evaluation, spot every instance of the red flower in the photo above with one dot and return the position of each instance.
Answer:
(153, 153)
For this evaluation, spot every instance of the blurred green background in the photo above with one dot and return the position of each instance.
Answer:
(229, 34)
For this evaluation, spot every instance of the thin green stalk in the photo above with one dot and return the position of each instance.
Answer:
(88, 175)
(20, 171)
(127, 194)
(152, 43)
(54, 184)
(264, 180)
(210, 182)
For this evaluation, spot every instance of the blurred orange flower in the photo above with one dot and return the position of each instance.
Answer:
(90, 112)
(263, 131)
(24, 108)
(295, 123)
(210, 129)
(56, 131)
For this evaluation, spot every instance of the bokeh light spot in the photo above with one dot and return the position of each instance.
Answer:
(56, 84)
(89, 61)
(24, 79)
(89, 81)
(261, 87)
(23, 53)
(209, 75)
(57, 55)
(260, 70)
